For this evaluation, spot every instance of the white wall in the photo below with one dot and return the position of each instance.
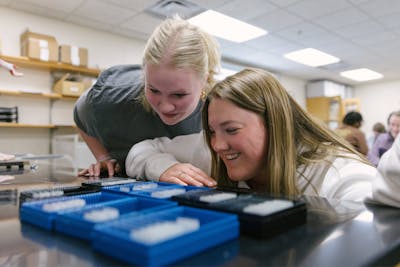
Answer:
(296, 88)
(377, 101)
(105, 50)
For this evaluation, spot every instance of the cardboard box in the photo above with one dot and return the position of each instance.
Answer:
(64, 54)
(39, 46)
(77, 56)
(69, 88)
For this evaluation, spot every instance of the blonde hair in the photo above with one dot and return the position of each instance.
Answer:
(183, 45)
(290, 129)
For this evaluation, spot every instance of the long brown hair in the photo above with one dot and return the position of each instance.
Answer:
(294, 137)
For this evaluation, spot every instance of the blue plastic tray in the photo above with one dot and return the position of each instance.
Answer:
(32, 212)
(74, 222)
(114, 238)
(152, 189)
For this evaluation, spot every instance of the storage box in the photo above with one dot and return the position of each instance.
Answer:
(39, 46)
(69, 88)
(77, 56)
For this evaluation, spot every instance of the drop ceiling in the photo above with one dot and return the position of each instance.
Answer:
(362, 33)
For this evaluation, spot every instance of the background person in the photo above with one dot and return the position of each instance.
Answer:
(385, 140)
(128, 104)
(350, 131)
(377, 129)
(11, 68)
(387, 187)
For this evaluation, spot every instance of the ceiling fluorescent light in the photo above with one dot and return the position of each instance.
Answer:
(361, 75)
(226, 27)
(311, 57)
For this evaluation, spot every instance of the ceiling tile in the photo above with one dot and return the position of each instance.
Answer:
(266, 42)
(210, 4)
(269, 61)
(362, 56)
(322, 40)
(131, 33)
(301, 31)
(103, 12)
(89, 23)
(283, 3)
(5, 2)
(309, 9)
(341, 18)
(388, 48)
(379, 39)
(284, 49)
(58, 5)
(239, 51)
(137, 5)
(143, 23)
(340, 49)
(254, 8)
(390, 21)
(274, 45)
(223, 43)
(366, 27)
(380, 8)
(39, 10)
(272, 22)
(358, 2)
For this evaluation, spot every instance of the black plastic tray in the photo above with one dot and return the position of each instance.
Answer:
(260, 225)
(102, 182)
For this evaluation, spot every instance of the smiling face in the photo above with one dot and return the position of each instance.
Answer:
(394, 125)
(172, 93)
(239, 137)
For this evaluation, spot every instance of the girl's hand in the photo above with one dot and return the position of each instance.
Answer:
(187, 174)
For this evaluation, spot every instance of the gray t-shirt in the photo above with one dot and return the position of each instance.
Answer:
(111, 112)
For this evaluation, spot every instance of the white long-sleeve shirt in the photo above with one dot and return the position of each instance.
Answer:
(150, 158)
(346, 178)
(386, 188)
